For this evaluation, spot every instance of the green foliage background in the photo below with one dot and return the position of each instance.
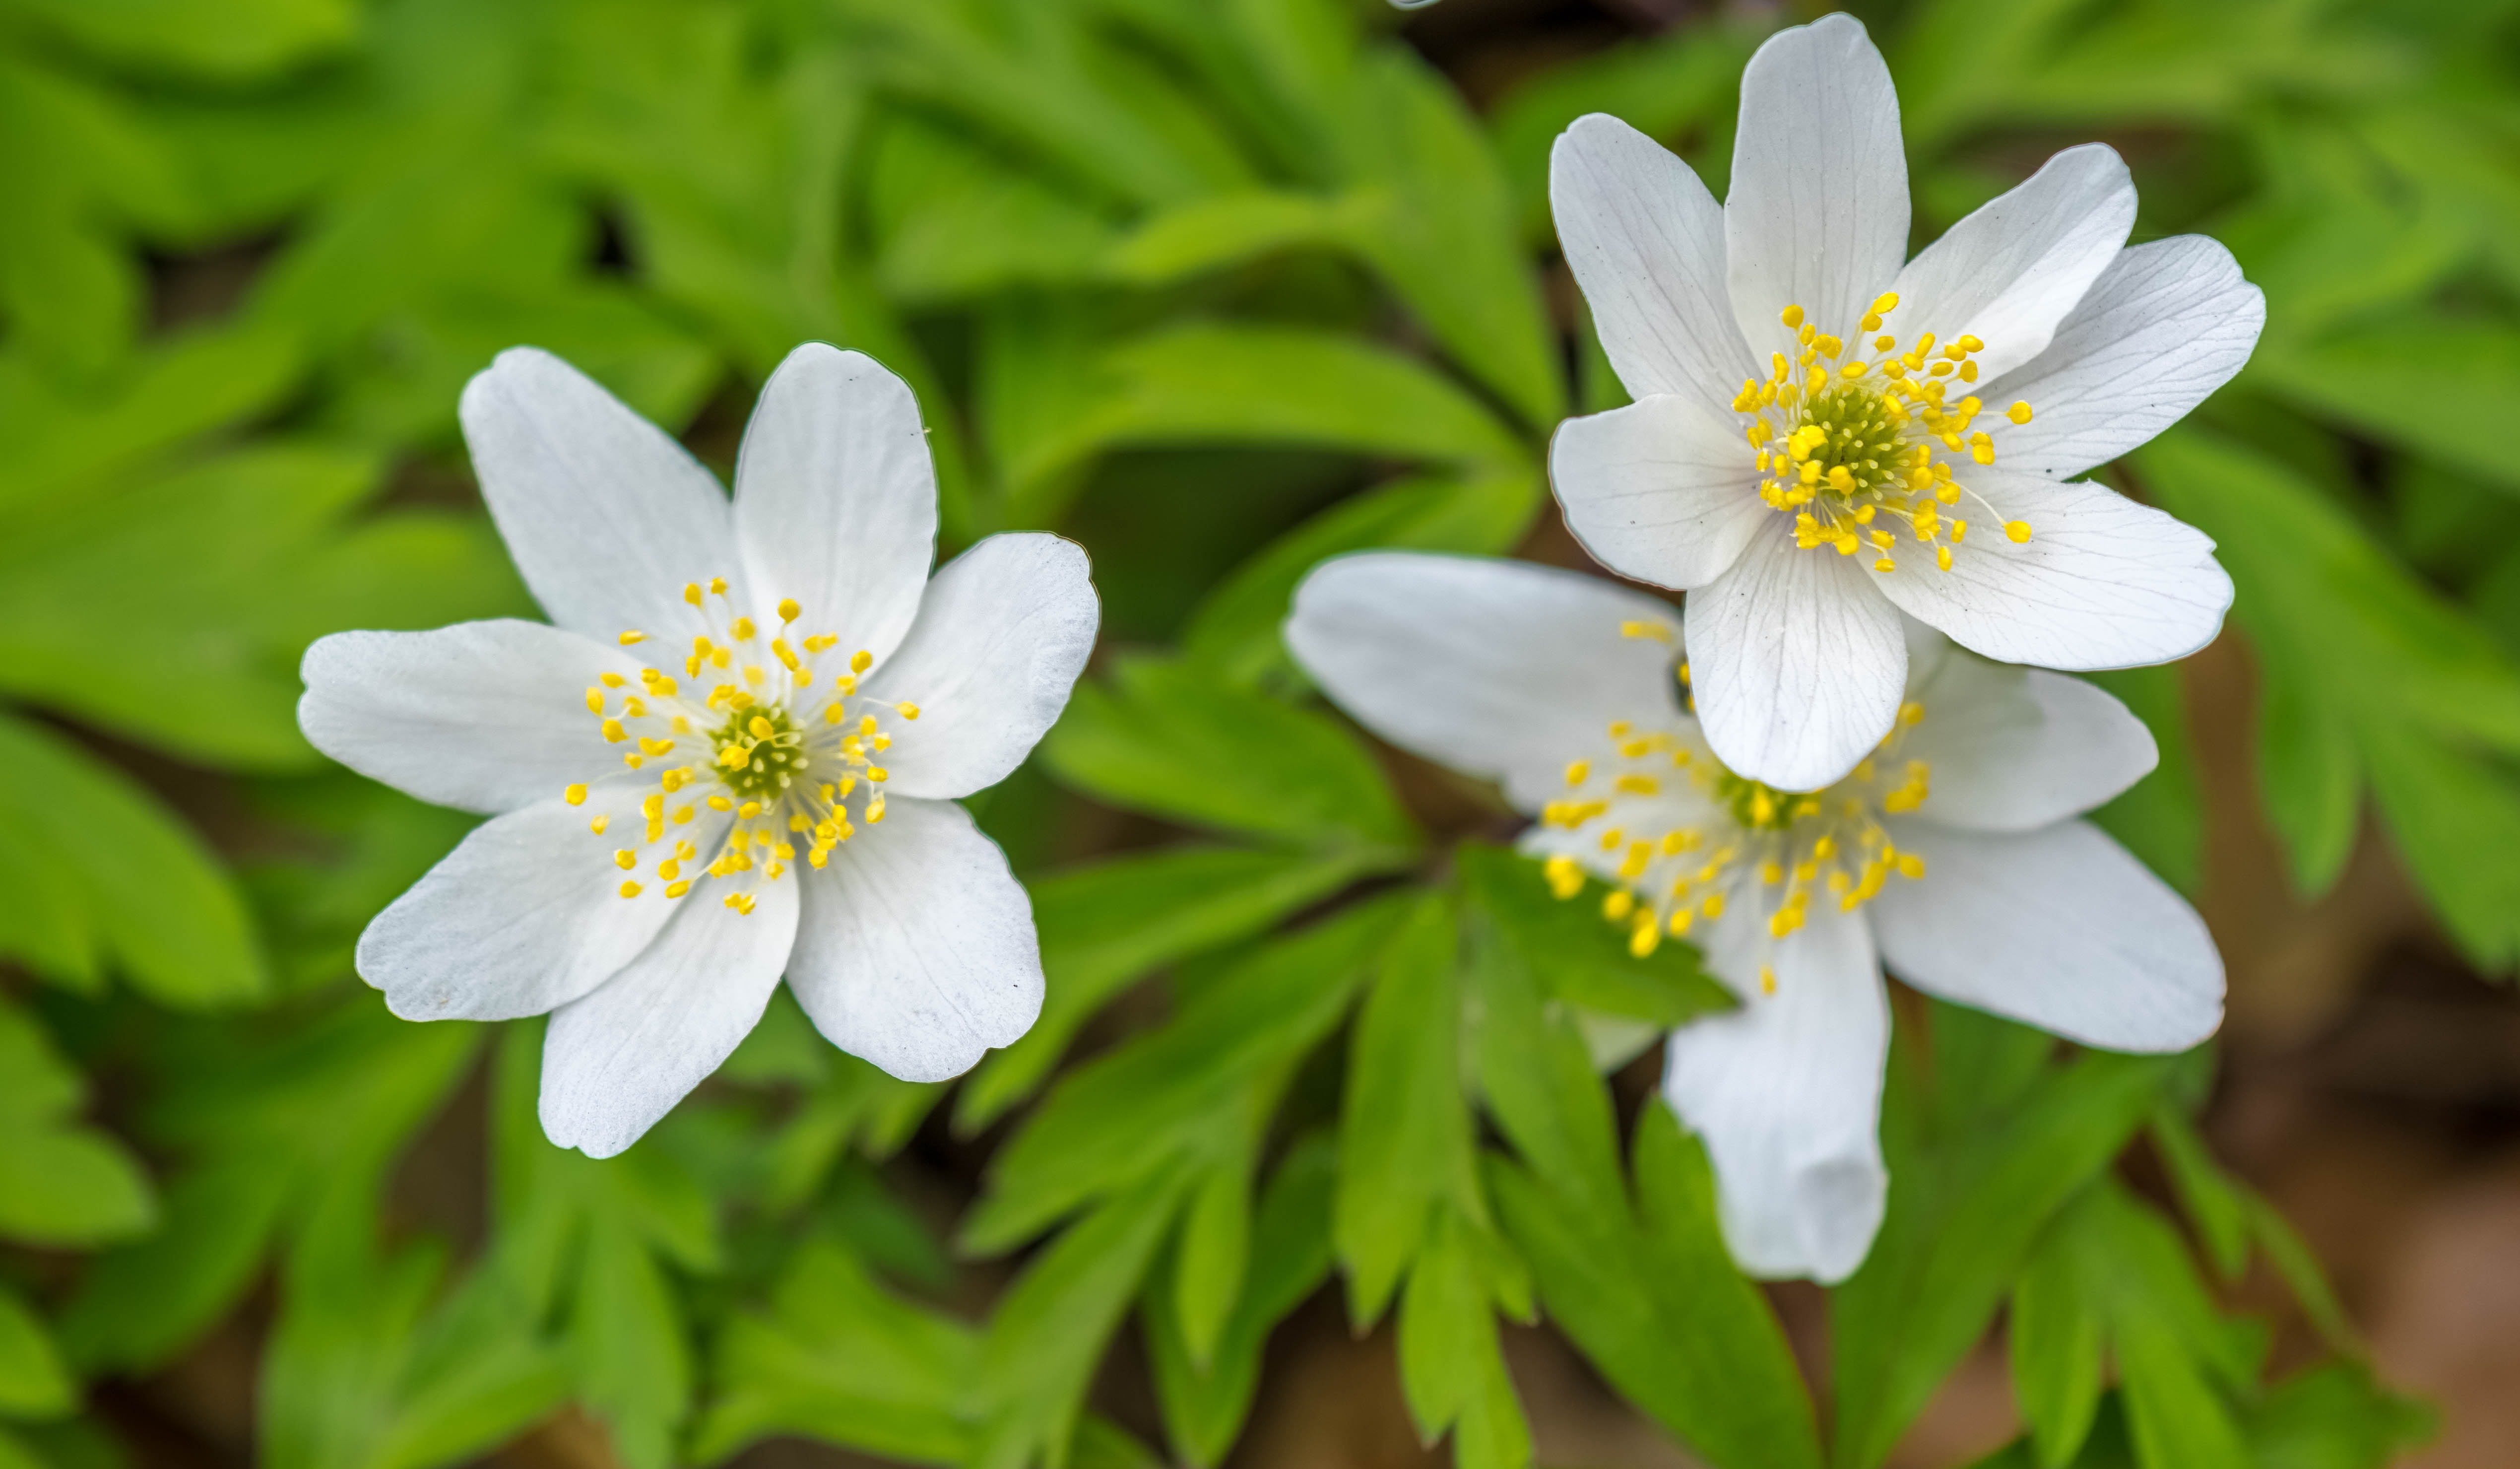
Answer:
(1218, 287)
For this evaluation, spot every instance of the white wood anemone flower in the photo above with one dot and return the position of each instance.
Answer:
(1825, 435)
(1951, 853)
(733, 754)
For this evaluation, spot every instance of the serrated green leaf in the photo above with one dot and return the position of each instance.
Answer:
(1204, 1406)
(838, 1357)
(1451, 1370)
(1405, 1144)
(1961, 1217)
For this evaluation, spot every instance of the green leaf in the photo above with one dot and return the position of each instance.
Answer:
(2214, 1204)
(241, 41)
(61, 1184)
(2056, 1337)
(1204, 1405)
(1106, 926)
(1580, 959)
(1235, 630)
(588, 1244)
(2431, 703)
(1049, 1331)
(1212, 1254)
(125, 886)
(1451, 1370)
(2335, 1417)
(1651, 1296)
(1962, 1216)
(2311, 775)
(274, 1131)
(196, 382)
(838, 1357)
(1168, 740)
(1405, 1144)
(2386, 380)
(1198, 385)
(33, 1382)
(1202, 1081)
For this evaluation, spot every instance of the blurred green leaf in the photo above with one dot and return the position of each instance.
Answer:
(61, 1184)
(118, 884)
(33, 1383)
(1166, 739)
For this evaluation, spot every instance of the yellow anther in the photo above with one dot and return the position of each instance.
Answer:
(1565, 878)
(861, 661)
(1959, 530)
(1618, 904)
(741, 628)
(2017, 530)
(1943, 557)
(1911, 865)
(679, 888)
(1911, 713)
(1640, 785)
(1772, 873)
(761, 728)
(574, 794)
(1971, 344)
(683, 816)
(1578, 772)
(785, 653)
(1884, 343)
(613, 733)
(594, 701)
(629, 638)
(1853, 370)
(598, 825)
(1792, 317)
(874, 811)
(753, 674)
(1713, 907)
(1767, 978)
(1969, 372)
(692, 592)
(878, 772)
(2019, 413)
(720, 804)
(1679, 922)
(1885, 304)
(1885, 565)
(630, 890)
(907, 709)
(649, 747)
(788, 609)
(1829, 346)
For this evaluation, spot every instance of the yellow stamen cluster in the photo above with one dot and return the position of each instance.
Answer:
(1681, 836)
(763, 742)
(1847, 443)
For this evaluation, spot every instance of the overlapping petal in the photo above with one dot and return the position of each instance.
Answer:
(2165, 325)
(1498, 669)
(1001, 637)
(482, 717)
(1818, 217)
(2104, 582)
(1796, 661)
(2015, 749)
(616, 1061)
(524, 915)
(835, 497)
(606, 516)
(1660, 490)
(916, 947)
(2058, 927)
(1646, 242)
(2011, 270)
(1787, 1093)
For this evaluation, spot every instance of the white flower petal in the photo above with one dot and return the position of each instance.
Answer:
(1497, 669)
(1796, 661)
(1646, 242)
(2102, 582)
(1002, 635)
(835, 497)
(483, 716)
(1817, 215)
(1787, 1093)
(616, 1061)
(1662, 491)
(2014, 749)
(606, 516)
(2165, 325)
(525, 914)
(915, 949)
(2009, 272)
(2057, 928)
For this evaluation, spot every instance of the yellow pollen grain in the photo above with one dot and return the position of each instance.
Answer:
(861, 661)
(574, 794)
(631, 637)
(2015, 531)
(789, 610)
